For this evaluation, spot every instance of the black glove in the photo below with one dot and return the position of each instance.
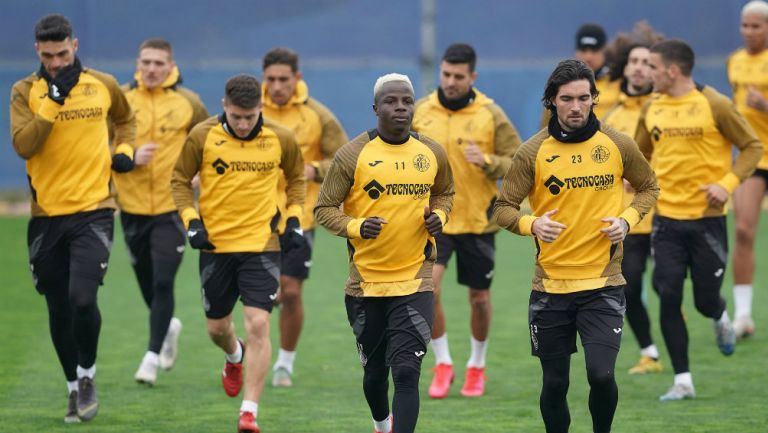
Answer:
(293, 238)
(122, 163)
(198, 236)
(66, 79)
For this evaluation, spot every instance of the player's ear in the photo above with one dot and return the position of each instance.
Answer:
(375, 109)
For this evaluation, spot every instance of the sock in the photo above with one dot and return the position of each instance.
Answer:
(71, 386)
(650, 351)
(285, 360)
(237, 357)
(684, 379)
(742, 299)
(151, 358)
(477, 359)
(440, 347)
(724, 318)
(383, 426)
(86, 372)
(250, 406)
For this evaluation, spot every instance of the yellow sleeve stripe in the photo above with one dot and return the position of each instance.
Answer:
(49, 110)
(441, 214)
(294, 210)
(631, 215)
(526, 224)
(125, 149)
(353, 228)
(730, 181)
(188, 215)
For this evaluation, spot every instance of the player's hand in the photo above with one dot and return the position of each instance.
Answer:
(145, 153)
(756, 100)
(432, 222)
(547, 229)
(293, 237)
(617, 229)
(716, 195)
(310, 172)
(122, 163)
(473, 154)
(66, 79)
(198, 236)
(371, 227)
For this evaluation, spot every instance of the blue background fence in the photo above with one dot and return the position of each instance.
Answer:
(346, 44)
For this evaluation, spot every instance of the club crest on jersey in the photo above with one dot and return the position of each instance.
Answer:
(600, 154)
(421, 163)
(263, 143)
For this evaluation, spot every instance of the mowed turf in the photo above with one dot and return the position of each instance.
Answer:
(327, 396)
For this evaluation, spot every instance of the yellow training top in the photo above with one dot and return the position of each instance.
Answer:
(745, 71)
(623, 117)
(688, 141)
(371, 177)
(484, 123)
(317, 132)
(583, 180)
(164, 116)
(67, 146)
(238, 184)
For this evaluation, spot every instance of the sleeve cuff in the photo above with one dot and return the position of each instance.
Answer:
(125, 149)
(188, 215)
(49, 109)
(441, 214)
(353, 228)
(730, 181)
(526, 224)
(294, 210)
(631, 215)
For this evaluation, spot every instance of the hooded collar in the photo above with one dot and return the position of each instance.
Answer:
(299, 97)
(478, 99)
(254, 132)
(43, 73)
(577, 136)
(172, 80)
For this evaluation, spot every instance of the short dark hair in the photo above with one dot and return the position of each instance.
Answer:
(565, 72)
(53, 27)
(158, 44)
(281, 56)
(676, 52)
(243, 90)
(461, 53)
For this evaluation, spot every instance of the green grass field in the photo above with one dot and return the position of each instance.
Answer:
(327, 396)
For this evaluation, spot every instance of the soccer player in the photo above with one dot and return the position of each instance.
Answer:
(748, 74)
(165, 113)
(480, 141)
(396, 190)
(239, 156)
(636, 89)
(687, 133)
(572, 174)
(590, 49)
(286, 100)
(59, 125)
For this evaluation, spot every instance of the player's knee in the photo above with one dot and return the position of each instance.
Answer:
(600, 378)
(745, 235)
(708, 307)
(257, 326)
(480, 301)
(218, 328)
(375, 375)
(556, 384)
(405, 377)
